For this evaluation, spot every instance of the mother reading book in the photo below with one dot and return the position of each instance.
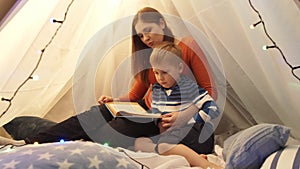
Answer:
(149, 29)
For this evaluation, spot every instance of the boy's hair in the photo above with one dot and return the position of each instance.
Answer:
(166, 52)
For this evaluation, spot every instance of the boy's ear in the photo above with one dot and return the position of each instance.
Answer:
(180, 68)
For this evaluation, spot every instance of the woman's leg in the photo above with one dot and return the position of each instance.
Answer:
(74, 128)
(122, 132)
(98, 125)
(190, 135)
(198, 140)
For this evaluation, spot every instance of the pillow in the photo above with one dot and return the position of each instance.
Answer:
(249, 148)
(70, 154)
(287, 158)
(21, 127)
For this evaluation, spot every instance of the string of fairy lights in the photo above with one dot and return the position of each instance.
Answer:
(273, 45)
(61, 22)
(41, 54)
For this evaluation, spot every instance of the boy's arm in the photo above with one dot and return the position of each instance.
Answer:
(209, 111)
(207, 107)
(184, 116)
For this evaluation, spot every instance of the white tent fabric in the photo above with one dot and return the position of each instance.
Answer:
(258, 80)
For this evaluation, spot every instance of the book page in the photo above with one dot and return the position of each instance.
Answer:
(132, 109)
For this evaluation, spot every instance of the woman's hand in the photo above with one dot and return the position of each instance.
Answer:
(105, 99)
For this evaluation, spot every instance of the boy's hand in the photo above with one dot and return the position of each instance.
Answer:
(169, 119)
(161, 128)
(105, 99)
(174, 120)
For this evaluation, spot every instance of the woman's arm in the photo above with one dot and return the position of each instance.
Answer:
(198, 64)
(137, 92)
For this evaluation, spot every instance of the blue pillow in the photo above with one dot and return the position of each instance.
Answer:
(249, 148)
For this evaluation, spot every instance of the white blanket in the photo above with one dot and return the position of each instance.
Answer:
(155, 161)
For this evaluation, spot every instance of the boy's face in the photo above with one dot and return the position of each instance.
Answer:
(166, 74)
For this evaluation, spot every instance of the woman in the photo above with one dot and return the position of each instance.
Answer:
(148, 30)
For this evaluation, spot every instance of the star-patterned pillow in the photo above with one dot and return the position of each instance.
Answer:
(67, 155)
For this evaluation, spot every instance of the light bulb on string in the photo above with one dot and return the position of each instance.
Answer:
(252, 26)
(106, 144)
(52, 20)
(34, 77)
(266, 47)
(39, 52)
(5, 99)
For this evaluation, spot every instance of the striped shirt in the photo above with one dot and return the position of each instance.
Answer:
(182, 95)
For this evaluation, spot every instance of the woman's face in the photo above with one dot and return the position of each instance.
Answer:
(151, 34)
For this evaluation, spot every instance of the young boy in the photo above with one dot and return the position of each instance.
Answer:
(171, 95)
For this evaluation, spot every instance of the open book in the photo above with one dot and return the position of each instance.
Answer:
(129, 109)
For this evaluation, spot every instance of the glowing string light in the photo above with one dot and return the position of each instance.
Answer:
(35, 77)
(266, 47)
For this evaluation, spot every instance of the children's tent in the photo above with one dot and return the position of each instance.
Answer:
(80, 50)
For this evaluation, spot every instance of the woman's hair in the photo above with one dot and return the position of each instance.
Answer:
(140, 51)
(166, 52)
